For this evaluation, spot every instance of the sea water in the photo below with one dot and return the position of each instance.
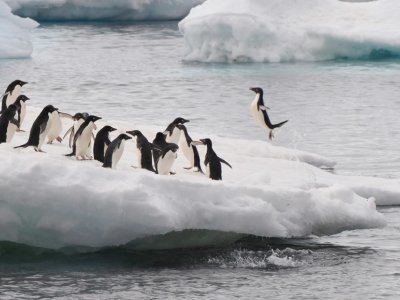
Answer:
(343, 109)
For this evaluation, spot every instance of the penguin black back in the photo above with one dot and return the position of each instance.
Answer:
(159, 142)
(145, 148)
(8, 116)
(38, 127)
(8, 92)
(113, 147)
(101, 141)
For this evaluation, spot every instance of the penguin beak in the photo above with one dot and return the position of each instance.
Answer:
(113, 129)
(197, 143)
(185, 121)
(96, 119)
(55, 108)
(23, 83)
(132, 132)
(252, 89)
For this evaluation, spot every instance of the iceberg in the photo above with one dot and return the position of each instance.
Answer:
(291, 30)
(103, 10)
(49, 200)
(14, 34)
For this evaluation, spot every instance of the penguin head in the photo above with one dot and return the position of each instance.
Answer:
(180, 121)
(206, 142)
(22, 98)
(257, 90)
(92, 118)
(159, 137)
(50, 108)
(134, 132)
(14, 84)
(181, 127)
(172, 147)
(124, 136)
(109, 128)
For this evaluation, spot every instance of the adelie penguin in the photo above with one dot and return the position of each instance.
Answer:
(114, 151)
(143, 151)
(83, 139)
(9, 120)
(212, 161)
(172, 133)
(56, 126)
(259, 112)
(78, 118)
(39, 129)
(190, 151)
(164, 154)
(101, 142)
(11, 94)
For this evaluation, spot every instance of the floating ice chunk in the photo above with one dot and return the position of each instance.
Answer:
(287, 30)
(105, 10)
(14, 34)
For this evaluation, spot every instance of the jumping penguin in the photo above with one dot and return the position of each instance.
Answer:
(143, 151)
(190, 151)
(39, 129)
(11, 94)
(172, 134)
(101, 142)
(114, 151)
(9, 120)
(83, 138)
(212, 161)
(259, 112)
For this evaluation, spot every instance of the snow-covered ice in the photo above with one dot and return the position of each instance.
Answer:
(14, 34)
(291, 30)
(51, 200)
(103, 10)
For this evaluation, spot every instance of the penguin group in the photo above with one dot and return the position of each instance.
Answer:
(157, 156)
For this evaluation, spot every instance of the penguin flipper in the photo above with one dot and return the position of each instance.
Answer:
(65, 115)
(225, 162)
(15, 122)
(263, 107)
(279, 124)
(68, 131)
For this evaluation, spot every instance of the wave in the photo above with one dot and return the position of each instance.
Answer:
(102, 10)
(287, 31)
(14, 34)
(236, 251)
(51, 201)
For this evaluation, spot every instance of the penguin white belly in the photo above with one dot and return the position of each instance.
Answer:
(139, 157)
(208, 170)
(56, 126)
(187, 152)
(174, 137)
(23, 113)
(257, 114)
(165, 164)
(15, 94)
(117, 154)
(83, 141)
(11, 129)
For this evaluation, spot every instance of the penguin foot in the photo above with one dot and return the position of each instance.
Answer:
(20, 130)
(134, 167)
(50, 142)
(187, 168)
(271, 135)
(59, 139)
(172, 173)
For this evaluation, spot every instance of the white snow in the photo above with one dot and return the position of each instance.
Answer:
(91, 10)
(14, 34)
(50, 200)
(291, 30)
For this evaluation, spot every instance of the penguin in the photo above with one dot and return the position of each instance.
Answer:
(9, 122)
(190, 151)
(172, 134)
(114, 151)
(56, 126)
(79, 118)
(101, 142)
(83, 138)
(212, 161)
(259, 112)
(143, 151)
(39, 129)
(21, 99)
(11, 94)
(167, 158)
(159, 142)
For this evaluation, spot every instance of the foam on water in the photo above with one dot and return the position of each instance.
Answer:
(103, 10)
(286, 30)
(14, 34)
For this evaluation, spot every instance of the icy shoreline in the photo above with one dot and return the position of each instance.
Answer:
(53, 201)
